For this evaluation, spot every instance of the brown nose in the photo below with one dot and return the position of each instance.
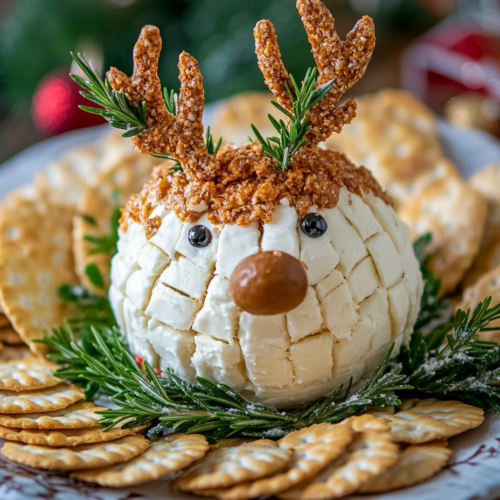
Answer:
(268, 283)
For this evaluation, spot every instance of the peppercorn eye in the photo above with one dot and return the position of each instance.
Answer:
(313, 225)
(199, 236)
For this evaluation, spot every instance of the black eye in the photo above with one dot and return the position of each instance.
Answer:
(199, 236)
(313, 225)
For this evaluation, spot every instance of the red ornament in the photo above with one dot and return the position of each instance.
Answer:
(55, 105)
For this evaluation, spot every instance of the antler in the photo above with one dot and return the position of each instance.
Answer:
(342, 61)
(182, 135)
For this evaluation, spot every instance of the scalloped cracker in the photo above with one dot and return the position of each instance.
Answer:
(369, 454)
(35, 260)
(229, 466)
(67, 437)
(24, 375)
(305, 463)
(431, 419)
(168, 454)
(79, 415)
(415, 464)
(40, 400)
(80, 457)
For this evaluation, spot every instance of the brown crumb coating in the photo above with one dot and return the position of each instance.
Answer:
(342, 61)
(249, 187)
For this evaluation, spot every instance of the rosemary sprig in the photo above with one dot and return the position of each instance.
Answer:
(212, 409)
(463, 367)
(291, 137)
(115, 107)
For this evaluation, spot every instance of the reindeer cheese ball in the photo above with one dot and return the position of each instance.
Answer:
(281, 281)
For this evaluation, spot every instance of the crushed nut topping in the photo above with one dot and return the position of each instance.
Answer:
(249, 187)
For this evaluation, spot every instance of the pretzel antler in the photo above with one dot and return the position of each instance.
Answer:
(342, 61)
(182, 135)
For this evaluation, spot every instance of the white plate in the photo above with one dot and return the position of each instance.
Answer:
(474, 470)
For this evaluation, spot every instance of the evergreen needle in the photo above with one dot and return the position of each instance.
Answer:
(291, 137)
(115, 107)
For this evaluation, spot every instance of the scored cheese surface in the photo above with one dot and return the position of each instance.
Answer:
(173, 302)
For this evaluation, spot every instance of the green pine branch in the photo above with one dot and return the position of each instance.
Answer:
(291, 136)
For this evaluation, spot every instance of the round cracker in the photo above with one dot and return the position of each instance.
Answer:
(67, 437)
(80, 457)
(127, 176)
(415, 464)
(454, 213)
(226, 467)
(487, 285)
(22, 375)
(487, 182)
(369, 455)
(168, 454)
(305, 463)
(35, 260)
(431, 419)
(79, 415)
(394, 135)
(40, 400)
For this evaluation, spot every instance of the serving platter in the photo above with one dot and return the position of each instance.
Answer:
(473, 470)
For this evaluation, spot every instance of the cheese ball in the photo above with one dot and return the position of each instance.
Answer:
(171, 297)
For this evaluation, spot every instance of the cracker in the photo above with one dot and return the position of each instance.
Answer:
(369, 454)
(88, 456)
(9, 336)
(35, 260)
(415, 464)
(77, 416)
(169, 454)
(394, 135)
(305, 463)
(487, 182)
(40, 400)
(25, 375)
(231, 442)
(229, 466)
(487, 285)
(233, 117)
(67, 437)
(486, 259)
(454, 213)
(126, 177)
(431, 419)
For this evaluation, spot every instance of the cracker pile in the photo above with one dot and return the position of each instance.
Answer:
(44, 231)
(377, 452)
(48, 425)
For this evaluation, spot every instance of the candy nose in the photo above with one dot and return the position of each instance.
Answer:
(268, 283)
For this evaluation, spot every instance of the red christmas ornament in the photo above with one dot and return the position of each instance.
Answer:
(55, 105)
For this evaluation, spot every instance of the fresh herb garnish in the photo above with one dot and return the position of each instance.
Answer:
(116, 108)
(291, 137)
(93, 353)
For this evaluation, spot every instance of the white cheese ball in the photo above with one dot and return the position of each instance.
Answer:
(173, 301)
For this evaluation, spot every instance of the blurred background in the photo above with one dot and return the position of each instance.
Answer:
(447, 52)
